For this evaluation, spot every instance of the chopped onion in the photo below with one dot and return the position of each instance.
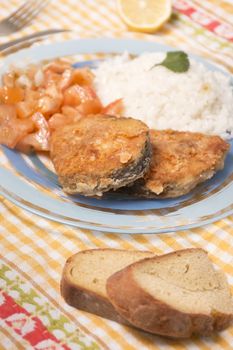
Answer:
(39, 78)
(23, 80)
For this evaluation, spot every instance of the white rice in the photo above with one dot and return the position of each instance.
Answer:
(197, 100)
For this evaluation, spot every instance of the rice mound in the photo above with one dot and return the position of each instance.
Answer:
(198, 100)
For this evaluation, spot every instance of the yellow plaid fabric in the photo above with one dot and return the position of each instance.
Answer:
(37, 248)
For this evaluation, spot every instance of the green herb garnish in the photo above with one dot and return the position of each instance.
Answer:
(177, 61)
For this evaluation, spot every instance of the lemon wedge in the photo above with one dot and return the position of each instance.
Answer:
(144, 15)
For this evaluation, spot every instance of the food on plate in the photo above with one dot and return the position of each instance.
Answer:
(99, 153)
(197, 100)
(12, 130)
(180, 161)
(114, 108)
(45, 105)
(179, 294)
(41, 98)
(144, 16)
(83, 283)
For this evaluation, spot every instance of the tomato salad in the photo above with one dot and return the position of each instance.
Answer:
(36, 101)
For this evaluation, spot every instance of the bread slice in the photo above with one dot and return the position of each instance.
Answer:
(83, 283)
(177, 295)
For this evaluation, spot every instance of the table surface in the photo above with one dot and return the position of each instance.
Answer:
(33, 250)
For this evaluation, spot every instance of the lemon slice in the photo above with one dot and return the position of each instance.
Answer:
(144, 15)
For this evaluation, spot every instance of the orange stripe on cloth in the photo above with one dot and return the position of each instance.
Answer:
(227, 6)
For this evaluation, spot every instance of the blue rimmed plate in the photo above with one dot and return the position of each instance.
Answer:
(30, 182)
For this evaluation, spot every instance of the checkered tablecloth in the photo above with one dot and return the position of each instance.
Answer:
(33, 250)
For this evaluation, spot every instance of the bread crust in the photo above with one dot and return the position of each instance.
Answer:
(88, 301)
(154, 316)
(85, 299)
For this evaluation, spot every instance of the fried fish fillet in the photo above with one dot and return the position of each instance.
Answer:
(100, 153)
(181, 160)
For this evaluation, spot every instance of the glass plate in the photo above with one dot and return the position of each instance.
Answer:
(30, 182)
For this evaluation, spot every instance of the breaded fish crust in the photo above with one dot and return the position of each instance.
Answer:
(99, 153)
(181, 160)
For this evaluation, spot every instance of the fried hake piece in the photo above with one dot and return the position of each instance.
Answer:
(181, 160)
(100, 153)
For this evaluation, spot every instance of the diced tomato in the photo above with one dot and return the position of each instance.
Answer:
(29, 105)
(114, 108)
(73, 95)
(48, 105)
(71, 115)
(62, 81)
(12, 129)
(25, 109)
(90, 92)
(8, 79)
(58, 66)
(65, 80)
(50, 102)
(76, 94)
(90, 107)
(58, 120)
(32, 95)
(38, 140)
(70, 111)
(10, 95)
(82, 76)
(38, 100)
(51, 78)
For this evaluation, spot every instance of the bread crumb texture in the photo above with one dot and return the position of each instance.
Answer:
(187, 282)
